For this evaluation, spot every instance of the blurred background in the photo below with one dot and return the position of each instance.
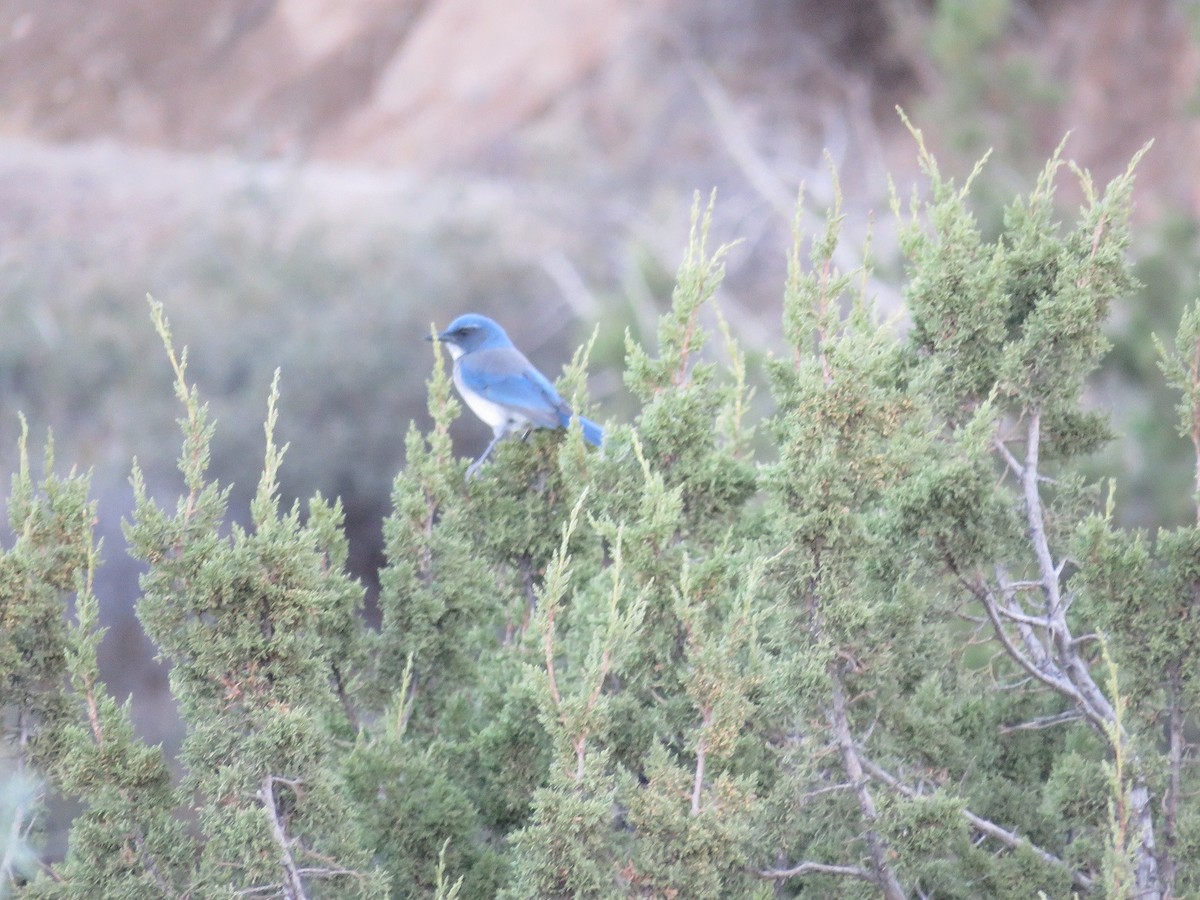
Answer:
(310, 184)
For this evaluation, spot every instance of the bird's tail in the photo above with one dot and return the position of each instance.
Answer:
(592, 433)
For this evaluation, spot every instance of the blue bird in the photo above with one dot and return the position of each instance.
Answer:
(502, 387)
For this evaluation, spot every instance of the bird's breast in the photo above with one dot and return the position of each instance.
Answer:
(500, 418)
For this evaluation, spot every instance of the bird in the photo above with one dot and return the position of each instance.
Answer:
(501, 386)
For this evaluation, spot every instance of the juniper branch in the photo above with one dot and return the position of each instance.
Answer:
(986, 826)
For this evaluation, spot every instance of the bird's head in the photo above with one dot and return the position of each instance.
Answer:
(472, 332)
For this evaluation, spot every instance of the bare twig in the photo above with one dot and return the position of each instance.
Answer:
(985, 826)
(20, 808)
(701, 755)
(816, 868)
(593, 699)
(1048, 678)
(839, 721)
(1011, 614)
(1011, 461)
(818, 792)
(293, 883)
(1177, 743)
(1033, 514)
(1053, 656)
(1070, 715)
(258, 889)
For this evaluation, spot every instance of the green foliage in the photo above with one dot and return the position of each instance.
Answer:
(51, 526)
(902, 652)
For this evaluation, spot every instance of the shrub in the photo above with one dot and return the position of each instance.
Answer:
(902, 649)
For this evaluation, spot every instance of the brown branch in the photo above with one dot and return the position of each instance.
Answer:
(680, 377)
(580, 746)
(605, 667)
(93, 710)
(580, 743)
(1097, 234)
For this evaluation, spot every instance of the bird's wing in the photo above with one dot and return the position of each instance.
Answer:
(504, 376)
